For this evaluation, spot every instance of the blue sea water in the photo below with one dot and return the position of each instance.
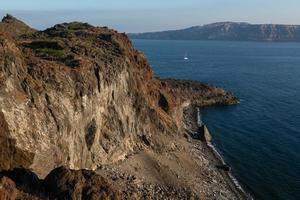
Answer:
(260, 137)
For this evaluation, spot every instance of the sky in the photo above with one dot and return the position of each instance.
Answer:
(151, 15)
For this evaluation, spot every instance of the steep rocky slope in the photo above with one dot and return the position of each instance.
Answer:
(83, 97)
(229, 31)
(76, 95)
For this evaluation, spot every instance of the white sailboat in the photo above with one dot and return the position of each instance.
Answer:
(185, 57)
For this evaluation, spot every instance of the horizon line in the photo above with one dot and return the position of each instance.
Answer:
(4, 12)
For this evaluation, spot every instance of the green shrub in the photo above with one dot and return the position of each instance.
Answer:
(43, 44)
(54, 53)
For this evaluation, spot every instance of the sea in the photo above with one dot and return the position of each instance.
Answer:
(260, 137)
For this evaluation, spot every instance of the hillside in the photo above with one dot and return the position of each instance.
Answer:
(82, 97)
(229, 31)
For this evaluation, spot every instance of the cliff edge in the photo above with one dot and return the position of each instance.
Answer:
(82, 97)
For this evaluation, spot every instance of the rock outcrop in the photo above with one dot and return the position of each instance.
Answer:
(83, 97)
(14, 27)
(198, 94)
(61, 183)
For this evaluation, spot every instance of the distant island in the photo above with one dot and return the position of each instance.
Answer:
(230, 31)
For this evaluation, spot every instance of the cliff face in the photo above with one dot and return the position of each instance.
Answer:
(229, 31)
(83, 97)
(75, 95)
(79, 96)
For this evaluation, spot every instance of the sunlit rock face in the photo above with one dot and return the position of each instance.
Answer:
(80, 96)
(74, 95)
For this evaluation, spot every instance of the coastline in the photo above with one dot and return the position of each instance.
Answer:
(192, 92)
(227, 175)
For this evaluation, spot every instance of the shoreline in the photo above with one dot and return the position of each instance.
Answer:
(207, 138)
(231, 180)
(228, 174)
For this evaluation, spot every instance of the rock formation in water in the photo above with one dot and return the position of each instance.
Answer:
(83, 97)
(229, 31)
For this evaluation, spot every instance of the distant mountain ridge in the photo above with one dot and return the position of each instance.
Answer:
(228, 31)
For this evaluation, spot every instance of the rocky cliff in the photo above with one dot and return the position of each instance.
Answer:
(229, 31)
(83, 97)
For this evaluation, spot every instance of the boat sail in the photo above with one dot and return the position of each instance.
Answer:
(185, 57)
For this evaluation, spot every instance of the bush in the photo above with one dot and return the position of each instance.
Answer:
(45, 44)
(54, 53)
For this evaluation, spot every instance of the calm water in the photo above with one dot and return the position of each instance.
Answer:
(259, 138)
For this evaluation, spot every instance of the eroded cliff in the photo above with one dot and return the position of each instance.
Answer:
(76, 95)
(83, 97)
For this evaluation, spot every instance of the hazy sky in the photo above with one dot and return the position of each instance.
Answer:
(151, 15)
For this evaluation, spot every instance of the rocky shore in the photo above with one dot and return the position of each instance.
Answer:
(82, 97)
